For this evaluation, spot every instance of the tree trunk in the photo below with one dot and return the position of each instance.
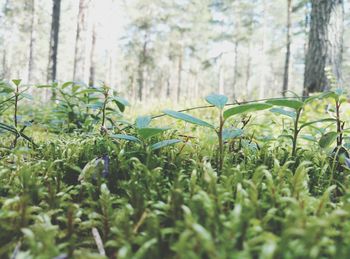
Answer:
(263, 56)
(55, 28)
(288, 43)
(221, 77)
(82, 44)
(235, 72)
(141, 67)
(179, 76)
(32, 43)
(168, 88)
(7, 46)
(325, 45)
(248, 70)
(92, 58)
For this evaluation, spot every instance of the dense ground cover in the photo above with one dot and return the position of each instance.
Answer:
(78, 179)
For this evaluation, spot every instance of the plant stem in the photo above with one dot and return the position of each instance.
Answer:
(103, 128)
(339, 124)
(16, 106)
(296, 132)
(221, 143)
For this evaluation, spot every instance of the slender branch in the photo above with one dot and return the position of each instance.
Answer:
(229, 104)
(296, 132)
(16, 105)
(221, 144)
(212, 106)
(340, 125)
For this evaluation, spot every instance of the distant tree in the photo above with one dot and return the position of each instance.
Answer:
(93, 58)
(288, 44)
(54, 38)
(83, 43)
(32, 41)
(325, 44)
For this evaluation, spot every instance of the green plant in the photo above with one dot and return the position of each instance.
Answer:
(296, 107)
(12, 97)
(144, 132)
(81, 106)
(219, 101)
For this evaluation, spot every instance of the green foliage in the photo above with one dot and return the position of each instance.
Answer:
(187, 118)
(149, 191)
(217, 100)
(245, 108)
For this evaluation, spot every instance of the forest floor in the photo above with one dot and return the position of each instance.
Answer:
(157, 188)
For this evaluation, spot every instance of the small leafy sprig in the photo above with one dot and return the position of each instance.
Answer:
(14, 95)
(220, 101)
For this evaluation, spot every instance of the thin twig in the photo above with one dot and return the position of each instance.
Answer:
(229, 104)
(212, 106)
(98, 241)
(140, 222)
(15, 252)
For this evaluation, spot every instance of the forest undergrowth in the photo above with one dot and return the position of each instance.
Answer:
(261, 179)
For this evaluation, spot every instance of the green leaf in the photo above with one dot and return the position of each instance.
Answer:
(95, 106)
(321, 96)
(143, 121)
(339, 91)
(244, 108)
(281, 111)
(66, 84)
(308, 137)
(5, 88)
(25, 95)
(17, 82)
(120, 102)
(165, 143)
(232, 133)
(327, 139)
(187, 118)
(150, 132)
(75, 88)
(217, 100)
(313, 122)
(89, 91)
(125, 137)
(294, 104)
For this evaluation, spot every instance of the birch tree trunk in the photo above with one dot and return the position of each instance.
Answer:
(325, 45)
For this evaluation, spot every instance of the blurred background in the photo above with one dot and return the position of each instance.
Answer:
(151, 49)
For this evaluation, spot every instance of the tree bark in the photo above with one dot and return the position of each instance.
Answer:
(221, 77)
(7, 46)
(288, 44)
(55, 28)
(141, 67)
(92, 58)
(235, 71)
(263, 56)
(248, 70)
(179, 75)
(32, 43)
(325, 45)
(82, 44)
